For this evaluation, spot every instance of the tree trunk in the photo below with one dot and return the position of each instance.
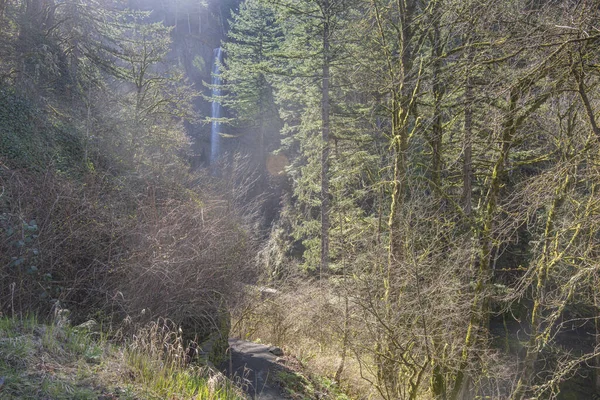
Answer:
(402, 108)
(479, 313)
(597, 326)
(467, 139)
(325, 143)
(438, 94)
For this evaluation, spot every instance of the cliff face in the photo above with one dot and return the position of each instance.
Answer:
(199, 26)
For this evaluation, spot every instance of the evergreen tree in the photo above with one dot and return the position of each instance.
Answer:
(254, 39)
(313, 44)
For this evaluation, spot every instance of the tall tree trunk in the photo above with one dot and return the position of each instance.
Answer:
(597, 326)
(438, 95)
(468, 136)
(528, 369)
(325, 143)
(479, 303)
(402, 108)
(479, 318)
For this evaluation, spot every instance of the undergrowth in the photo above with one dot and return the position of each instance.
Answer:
(58, 361)
(306, 320)
(302, 386)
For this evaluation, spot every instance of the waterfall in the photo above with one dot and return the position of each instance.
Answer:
(215, 138)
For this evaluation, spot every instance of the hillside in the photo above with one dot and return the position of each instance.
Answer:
(57, 361)
(401, 194)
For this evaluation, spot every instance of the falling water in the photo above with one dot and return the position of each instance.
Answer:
(215, 138)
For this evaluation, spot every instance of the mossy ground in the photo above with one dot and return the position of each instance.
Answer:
(56, 361)
(299, 384)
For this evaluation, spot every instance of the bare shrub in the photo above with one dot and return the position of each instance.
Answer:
(190, 252)
(59, 241)
(117, 247)
(307, 318)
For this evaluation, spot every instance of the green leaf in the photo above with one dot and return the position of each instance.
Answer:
(17, 261)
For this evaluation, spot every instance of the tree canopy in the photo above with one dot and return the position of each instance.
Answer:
(421, 173)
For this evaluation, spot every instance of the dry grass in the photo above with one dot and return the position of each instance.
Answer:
(61, 362)
(161, 366)
(306, 319)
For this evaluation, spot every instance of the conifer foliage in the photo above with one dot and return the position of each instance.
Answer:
(99, 210)
(440, 157)
(430, 169)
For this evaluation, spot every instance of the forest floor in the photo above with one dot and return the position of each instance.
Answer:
(59, 362)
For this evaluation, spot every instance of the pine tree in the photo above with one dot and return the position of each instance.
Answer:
(254, 39)
(312, 46)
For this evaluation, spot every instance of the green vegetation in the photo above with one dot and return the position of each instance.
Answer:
(417, 179)
(62, 362)
(32, 140)
(101, 214)
(299, 387)
(441, 163)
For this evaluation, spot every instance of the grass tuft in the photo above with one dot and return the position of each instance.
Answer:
(59, 362)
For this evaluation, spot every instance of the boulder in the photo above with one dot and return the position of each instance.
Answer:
(276, 351)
